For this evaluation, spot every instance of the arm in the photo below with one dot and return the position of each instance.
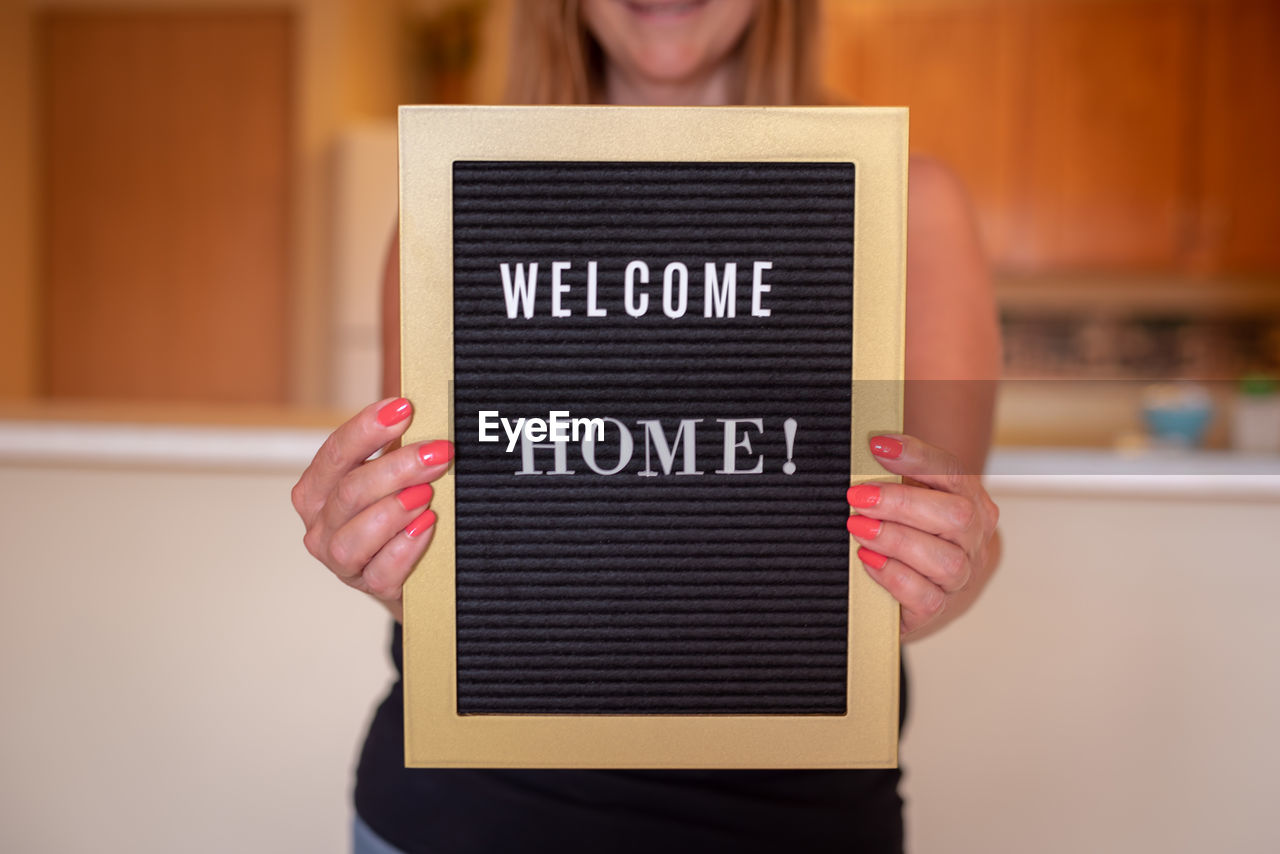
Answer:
(932, 541)
(953, 340)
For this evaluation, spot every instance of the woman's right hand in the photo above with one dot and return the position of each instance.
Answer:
(367, 520)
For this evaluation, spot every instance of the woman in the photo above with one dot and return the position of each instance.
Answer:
(930, 542)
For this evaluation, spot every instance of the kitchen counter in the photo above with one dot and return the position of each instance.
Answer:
(158, 593)
(1199, 474)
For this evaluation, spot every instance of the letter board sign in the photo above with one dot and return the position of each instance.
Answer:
(658, 339)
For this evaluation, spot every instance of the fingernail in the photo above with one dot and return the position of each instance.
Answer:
(435, 453)
(421, 524)
(864, 495)
(883, 446)
(861, 526)
(415, 496)
(875, 560)
(394, 412)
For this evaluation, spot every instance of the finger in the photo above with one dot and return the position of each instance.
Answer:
(352, 546)
(953, 517)
(347, 447)
(387, 571)
(942, 562)
(367, 484)
(921, 600)
(929, 464)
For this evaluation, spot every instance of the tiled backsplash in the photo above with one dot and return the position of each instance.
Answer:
(1139, 328)
(1142, 345)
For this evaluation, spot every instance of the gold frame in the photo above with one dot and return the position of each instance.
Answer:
(431, 139)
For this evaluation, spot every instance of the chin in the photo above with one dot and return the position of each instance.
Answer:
(670, 63)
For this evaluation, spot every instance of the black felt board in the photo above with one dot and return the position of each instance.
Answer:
(675, 593)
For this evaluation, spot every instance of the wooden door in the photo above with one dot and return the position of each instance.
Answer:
(165, 191)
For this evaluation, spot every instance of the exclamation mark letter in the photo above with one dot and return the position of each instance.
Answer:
(789, 428)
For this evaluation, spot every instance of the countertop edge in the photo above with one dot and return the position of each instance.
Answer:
(158, 445)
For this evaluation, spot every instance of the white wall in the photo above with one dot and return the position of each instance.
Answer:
(179, 676)
(1115, 690)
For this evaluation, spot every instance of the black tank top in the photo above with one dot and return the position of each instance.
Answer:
(466, 811)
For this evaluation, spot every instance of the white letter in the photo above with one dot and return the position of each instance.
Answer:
(521, 292)
(526, 457)
(595, 425)
(558, 425)
(513, 433)
(558, 288)
(667, 308)
(535, 429)
(654, 436)
(626, 445)
(486, 425)
(732, 443)
(724, 298)
(629, 288)
(759, 287)
(592, 311)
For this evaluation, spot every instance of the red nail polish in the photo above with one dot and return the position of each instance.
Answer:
(864, 495)
(421, 524)
(415, 496)
(436, 453)
(394, 412)
(875, 560)
(884, 446)
(861, 526)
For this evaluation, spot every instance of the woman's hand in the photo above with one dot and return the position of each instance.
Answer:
(931, 542)
(368, 520)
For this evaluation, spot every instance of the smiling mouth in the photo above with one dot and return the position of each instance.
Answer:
(659, 9)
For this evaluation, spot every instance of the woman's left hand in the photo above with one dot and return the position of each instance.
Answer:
(928, 541)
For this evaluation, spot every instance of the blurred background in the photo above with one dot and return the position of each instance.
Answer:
(195, 201)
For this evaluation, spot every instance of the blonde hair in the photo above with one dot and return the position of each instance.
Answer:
(555, 60)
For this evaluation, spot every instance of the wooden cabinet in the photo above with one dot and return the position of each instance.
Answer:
(1239, 165)
(1130, 135)
(165, 189)
(1107, 138)
(952, 63)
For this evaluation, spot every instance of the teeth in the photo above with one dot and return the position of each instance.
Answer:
(664, 8)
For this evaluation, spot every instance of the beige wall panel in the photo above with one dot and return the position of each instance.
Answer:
(166, 691)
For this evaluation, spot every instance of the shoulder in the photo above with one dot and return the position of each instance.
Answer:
(936, 198)
(950, 301)
(944, 249)
(952, 334)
